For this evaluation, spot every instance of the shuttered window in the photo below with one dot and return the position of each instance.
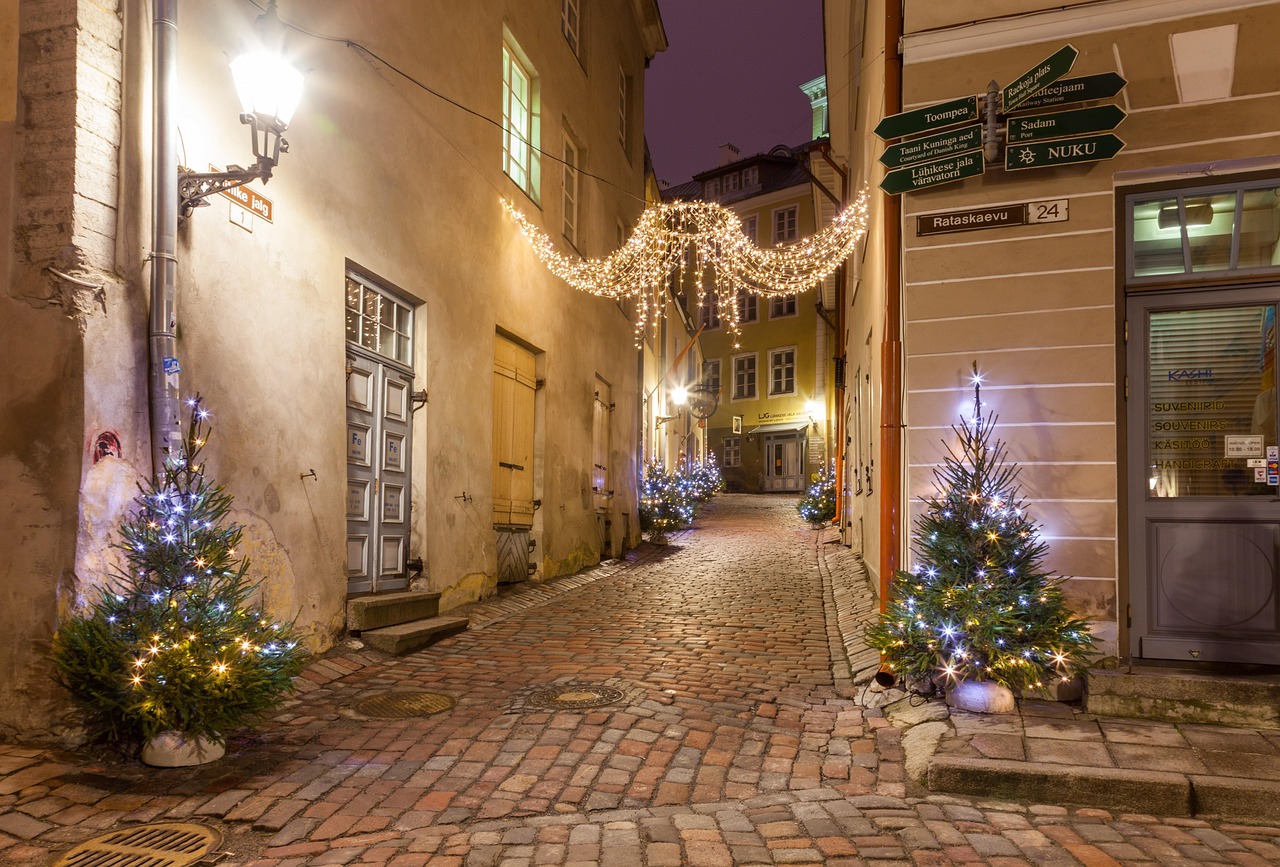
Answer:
(514, 383)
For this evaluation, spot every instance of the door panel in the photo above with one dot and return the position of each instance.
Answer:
(514, 385)
(1204, 528)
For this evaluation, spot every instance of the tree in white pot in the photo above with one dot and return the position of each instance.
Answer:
(176, 653)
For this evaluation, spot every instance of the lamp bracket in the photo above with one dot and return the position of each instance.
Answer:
(268, 144)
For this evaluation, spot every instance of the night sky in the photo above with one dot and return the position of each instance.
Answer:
(732, 74)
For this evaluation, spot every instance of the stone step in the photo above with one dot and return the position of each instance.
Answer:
(1185, 696)
(388, 609)
(402, 638)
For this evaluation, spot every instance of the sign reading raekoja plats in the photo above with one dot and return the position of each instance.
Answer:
(933, 152)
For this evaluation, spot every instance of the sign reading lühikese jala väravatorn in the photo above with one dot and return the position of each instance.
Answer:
(922, 175)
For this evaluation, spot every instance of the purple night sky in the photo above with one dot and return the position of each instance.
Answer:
(732, 74)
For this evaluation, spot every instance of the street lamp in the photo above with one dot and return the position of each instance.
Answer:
(269, 90)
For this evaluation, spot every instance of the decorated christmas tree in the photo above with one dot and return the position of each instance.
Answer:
(977, 604)
(819, 501)
(666, 503)
(178, 640)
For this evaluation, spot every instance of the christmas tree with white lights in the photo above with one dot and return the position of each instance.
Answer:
(977, 604)
(666, 503)
(818, 505)
(178, 641)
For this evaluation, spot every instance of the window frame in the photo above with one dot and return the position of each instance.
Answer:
(785, 301)
(791, 231)
(527, 174)
(572, 189)
(752, 233)
(774, 367)
(712, 370)
(571, 26)
(754, 394)
(731, 451)
(748, 303)
(624, 109)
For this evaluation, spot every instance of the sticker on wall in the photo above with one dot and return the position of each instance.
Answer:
(107, 445)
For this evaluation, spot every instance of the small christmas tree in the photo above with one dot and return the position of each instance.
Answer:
(977, 605)
(177, 643)
(665, 503)
(818, 504)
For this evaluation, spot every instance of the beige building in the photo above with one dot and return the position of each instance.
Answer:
(394, 376)
(1118, 294)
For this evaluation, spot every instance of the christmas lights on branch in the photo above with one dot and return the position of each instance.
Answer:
(701, 239)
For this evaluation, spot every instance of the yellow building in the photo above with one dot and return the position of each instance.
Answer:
(1116, 286)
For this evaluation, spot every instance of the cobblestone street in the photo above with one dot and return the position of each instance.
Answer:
(738, 738)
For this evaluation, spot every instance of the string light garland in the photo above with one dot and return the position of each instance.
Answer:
(696, 239)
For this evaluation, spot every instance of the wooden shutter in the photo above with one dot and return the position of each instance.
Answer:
(514, 383)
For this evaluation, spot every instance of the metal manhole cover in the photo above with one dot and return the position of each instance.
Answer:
(402, 705)
(164, 844)
(574, 696)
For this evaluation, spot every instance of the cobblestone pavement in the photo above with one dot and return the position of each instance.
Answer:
(738, 738)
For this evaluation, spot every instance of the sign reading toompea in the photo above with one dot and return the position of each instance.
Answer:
(931, 117)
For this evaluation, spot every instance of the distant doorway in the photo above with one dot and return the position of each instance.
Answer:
(783, 466)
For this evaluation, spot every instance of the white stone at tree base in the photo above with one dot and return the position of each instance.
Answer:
(176, 750)
(985, 696)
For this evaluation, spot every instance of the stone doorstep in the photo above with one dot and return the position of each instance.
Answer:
(388, 609)
(1157, 792)
(402, 638)
(1182, 696)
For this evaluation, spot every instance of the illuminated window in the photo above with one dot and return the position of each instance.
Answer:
(744, 377)
(782, 371)
(519, 123)
(784, 224)
(378, 321)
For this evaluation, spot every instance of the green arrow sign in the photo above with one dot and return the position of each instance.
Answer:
(1068, 90)
(929, 118)
(932, 147)
(1038, 155)
(946, 171)
(1036, 127)
(1040, 76)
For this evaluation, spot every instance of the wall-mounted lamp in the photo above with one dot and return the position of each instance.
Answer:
(269, 90)
(1200, 214)
(680, 395)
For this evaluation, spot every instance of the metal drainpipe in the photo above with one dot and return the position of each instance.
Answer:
(891, 343)
(166, 423)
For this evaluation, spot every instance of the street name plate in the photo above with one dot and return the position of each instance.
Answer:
(1036, 127)
(933, 147)
(925, 175)
(251, 200)
(1021, 214)
(929, 118)
(1039, 76)
(1062, 152)
(1068, 90)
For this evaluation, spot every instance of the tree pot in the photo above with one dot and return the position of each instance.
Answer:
(981, 696)
(658, 538)
(173, 749)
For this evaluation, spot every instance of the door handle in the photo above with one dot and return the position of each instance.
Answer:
(510, 466)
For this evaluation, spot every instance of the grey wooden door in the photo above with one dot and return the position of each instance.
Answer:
(783, 468)
(1204, 519)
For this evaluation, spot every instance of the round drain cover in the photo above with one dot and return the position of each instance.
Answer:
(574, 696)
(402, 705)
(164, 844)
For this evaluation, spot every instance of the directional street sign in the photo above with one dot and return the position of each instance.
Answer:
(1068, 90)
(1040, 76)
(929, 118)
(1037, 127)
(1061, 152)
(918, 177)
(932, 147)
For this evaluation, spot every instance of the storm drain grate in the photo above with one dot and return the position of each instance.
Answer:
(403, 705)
(167, 844)
(574, 696)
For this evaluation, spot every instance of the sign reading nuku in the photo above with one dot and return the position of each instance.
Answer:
(1062, 152)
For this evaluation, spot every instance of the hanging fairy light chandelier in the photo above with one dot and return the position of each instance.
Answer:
(693, 240)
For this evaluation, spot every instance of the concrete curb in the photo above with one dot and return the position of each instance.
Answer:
(1236, 798)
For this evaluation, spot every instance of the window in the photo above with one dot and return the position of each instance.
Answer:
(749, 228)
(624, 86)
(783, 305)
(750, 176)
(782, 371)
(731, 182)
(571, 164)
(711, 189)
(748, 306)
(709, 312)
(378, 322)
(569, 22)
(784, 224)
(733, 451)
(744, 377)
(711, 374)
(519, 124)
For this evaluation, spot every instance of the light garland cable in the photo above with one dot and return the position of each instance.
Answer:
(676, 237)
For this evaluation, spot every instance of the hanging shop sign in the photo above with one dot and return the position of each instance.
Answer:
(919, 177)
(933, 147)
(1059, 124)
(1062, 152)
(1020, 214)
(1038, 77)
(932, 117)
(1066, 91)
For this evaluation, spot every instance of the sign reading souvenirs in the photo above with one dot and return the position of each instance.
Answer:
(930, 117)
(1068, 90)
(1062, 152)
(1053, 211)
(1036, 127)
(1039, 76)
(932, 147)
(918, 177)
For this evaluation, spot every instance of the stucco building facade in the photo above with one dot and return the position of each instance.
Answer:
(393, 375)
